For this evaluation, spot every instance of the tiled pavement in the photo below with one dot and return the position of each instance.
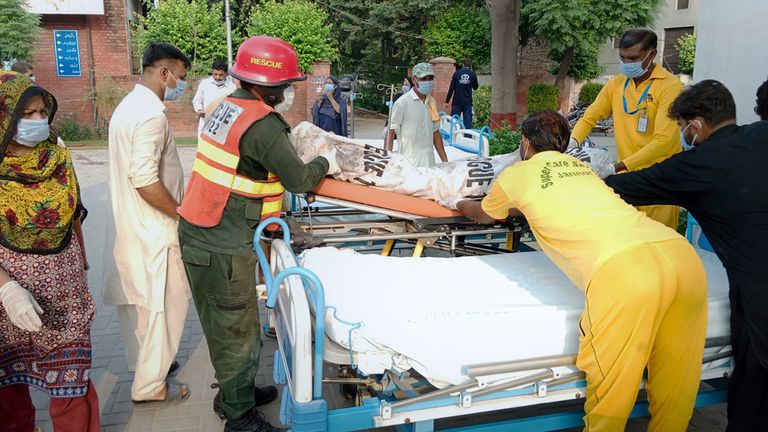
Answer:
(109, 373)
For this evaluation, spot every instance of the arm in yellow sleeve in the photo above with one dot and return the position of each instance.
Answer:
(599, 109)
(666, 135)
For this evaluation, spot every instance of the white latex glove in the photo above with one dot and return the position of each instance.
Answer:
(451, 203)
(333, 166)
(21, 307)
(604, 170)
(572, 144)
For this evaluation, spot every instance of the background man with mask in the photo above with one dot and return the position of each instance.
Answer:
(216, 86)
(244, 163)
(146, 280)
(639, 100)
(416, 122)
(723, 182)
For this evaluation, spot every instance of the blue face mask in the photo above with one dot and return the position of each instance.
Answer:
(425, 87)
(684, 141)
(329, 87)
(32, 132)
(634, 69)
(172, 94)
(405, 88)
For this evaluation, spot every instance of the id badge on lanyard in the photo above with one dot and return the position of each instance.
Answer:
(642, 121)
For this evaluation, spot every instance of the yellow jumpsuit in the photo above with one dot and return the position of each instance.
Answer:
(645, 288)
(644, 132)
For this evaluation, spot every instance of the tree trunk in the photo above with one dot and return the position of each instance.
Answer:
(505, 42)
(565, 66)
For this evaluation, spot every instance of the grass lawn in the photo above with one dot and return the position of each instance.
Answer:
(103, 143)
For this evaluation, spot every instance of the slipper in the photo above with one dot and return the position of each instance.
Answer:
(173, 393)
(174, 367)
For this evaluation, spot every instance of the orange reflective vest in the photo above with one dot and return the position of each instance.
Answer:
(214, 173)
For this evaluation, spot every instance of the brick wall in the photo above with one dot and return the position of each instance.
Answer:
(444, 68)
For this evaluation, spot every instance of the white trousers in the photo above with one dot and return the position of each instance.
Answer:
(151, 339)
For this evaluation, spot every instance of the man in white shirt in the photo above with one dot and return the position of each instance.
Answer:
(147, 282)
(216, 86)
(416, 122)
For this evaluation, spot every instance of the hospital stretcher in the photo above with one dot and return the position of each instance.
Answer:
(368, 218)
(492, 396)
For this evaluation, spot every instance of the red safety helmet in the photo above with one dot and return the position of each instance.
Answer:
(267, 61)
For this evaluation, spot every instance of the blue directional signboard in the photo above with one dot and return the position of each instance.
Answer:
(67, 53)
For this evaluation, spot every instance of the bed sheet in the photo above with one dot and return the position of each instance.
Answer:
(437, 315)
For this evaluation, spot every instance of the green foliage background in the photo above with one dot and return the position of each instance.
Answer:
(18, 31)
(686, 46)
(461, 32)
(589, 92)
(196, 27)
(504, 141)
(302, 23)
(542, 97)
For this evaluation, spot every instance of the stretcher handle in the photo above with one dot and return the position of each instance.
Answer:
(316, 296)
(260, 254)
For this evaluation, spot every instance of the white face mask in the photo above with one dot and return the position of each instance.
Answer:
(285, 105)
(30, 132)
(173, 94)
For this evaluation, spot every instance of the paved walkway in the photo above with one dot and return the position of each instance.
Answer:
(109, 373)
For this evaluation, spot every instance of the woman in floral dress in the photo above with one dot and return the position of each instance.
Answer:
(47, 310)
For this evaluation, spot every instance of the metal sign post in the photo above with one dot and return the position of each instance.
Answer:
(390, 89)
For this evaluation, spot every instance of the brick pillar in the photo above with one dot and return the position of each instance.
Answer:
(444, 69)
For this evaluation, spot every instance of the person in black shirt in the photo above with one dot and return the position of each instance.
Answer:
(463, 82)
(723, 182)
(761, 104)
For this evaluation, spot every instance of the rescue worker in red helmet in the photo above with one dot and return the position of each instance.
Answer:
(244, 163)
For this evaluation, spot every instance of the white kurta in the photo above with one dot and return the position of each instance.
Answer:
(141, 152)
(208, 91)
(413, 124)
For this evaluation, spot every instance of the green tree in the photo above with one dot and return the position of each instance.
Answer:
(686, 46)
(196, 27)
(461, 32)
(571, 26)
(18, 31)
(300, 22)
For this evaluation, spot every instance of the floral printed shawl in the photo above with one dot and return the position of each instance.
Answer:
(39, 195)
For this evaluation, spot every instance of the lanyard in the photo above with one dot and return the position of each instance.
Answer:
(642, 98)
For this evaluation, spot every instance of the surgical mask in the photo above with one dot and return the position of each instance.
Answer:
(32, 132)
(425, 87)
(634, 69)
(328, 87)
(33, 78)
(220, 83)
(684, 141)
(285, 105)
(173, 94)
(405, 88)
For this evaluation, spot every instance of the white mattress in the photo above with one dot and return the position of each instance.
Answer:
(438, 314)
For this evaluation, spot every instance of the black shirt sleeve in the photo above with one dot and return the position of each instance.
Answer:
(452, 87)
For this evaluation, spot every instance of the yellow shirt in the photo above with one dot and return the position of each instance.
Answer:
(578, 221)
(637, 148)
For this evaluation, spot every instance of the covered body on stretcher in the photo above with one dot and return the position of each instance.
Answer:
(448, 318)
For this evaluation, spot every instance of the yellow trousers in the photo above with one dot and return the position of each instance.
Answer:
(645, 307)
(666, 214)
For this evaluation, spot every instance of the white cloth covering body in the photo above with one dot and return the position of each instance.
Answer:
(437, 315)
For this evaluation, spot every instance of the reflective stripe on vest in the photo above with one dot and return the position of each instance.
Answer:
(214, 172)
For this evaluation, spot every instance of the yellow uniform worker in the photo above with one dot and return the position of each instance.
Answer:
(639, 100)
(646, 295)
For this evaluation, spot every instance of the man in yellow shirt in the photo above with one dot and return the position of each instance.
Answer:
(645, 287)
(639, 100)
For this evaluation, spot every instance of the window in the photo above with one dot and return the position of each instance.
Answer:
(682, 4)
(671, 55)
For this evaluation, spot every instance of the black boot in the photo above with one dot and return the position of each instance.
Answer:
(261, 395)
(251, 421)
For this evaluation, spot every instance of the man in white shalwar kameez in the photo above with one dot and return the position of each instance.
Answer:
(146, 183)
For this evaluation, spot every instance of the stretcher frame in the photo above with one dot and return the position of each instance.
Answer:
(296, 302)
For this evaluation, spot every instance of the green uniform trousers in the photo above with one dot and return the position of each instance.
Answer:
(224, 290)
